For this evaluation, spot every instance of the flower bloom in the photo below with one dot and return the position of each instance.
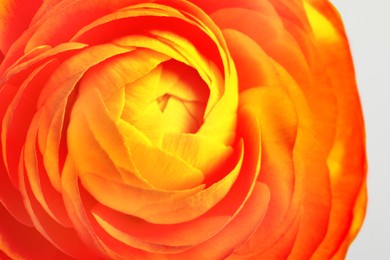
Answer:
(172, 129)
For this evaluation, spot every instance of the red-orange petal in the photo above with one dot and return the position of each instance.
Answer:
(15, 17)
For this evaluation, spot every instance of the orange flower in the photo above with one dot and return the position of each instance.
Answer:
(173, 129)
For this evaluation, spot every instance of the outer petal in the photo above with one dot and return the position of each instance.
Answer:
(24, 96)
(286, 37)
(347, 161)
(238, 231)
(15, 17)
(294, 167)
(21, 242)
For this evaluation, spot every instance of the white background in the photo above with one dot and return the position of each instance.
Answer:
(368, 25)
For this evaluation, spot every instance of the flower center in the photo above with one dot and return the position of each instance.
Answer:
(172, 98)
(155, 94)
(162, 112)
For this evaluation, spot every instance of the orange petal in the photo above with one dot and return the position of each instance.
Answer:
(254, 67)
(30, 76)
(54, 99)
(347, 159)
(272, 37)
(277, 118)
(15, 17)
(287, 38)
(237, 232)
(158, 206)
(291, 99)
(39, 181)
(210, 6)
(106, 133)
(11, 199)
(317, 86)
(21, 242)
(77, 204)
(200, 152)
(177, 236)
(24, 100)
(61, 237)
(103, 150)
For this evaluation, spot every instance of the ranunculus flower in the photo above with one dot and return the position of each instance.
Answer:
(172, 129)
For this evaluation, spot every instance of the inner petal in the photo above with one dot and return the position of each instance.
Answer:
(170, 99)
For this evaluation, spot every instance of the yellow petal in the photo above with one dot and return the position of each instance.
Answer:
(201, 152)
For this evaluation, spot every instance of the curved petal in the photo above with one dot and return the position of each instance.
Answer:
(15, 17)
(278, 108)
(274, 110)
(59, 236)
(21, 242)
(347, 159)
(237, 232)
